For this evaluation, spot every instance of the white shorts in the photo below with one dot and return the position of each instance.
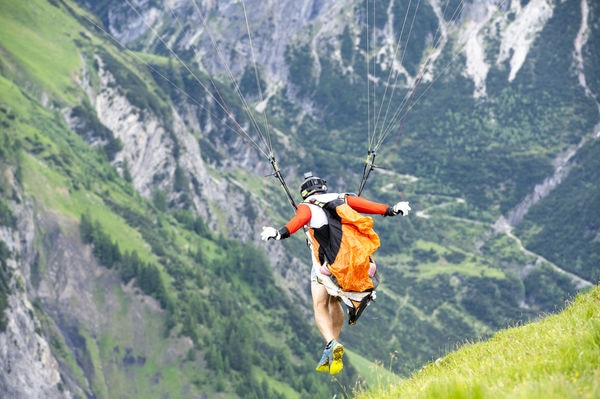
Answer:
(313, 271)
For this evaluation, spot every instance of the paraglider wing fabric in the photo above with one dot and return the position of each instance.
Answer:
(357, 242)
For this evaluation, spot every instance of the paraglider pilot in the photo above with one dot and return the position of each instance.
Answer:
(342, 242)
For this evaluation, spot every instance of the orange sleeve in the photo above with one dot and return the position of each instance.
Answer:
(362, 205)
(301, 218)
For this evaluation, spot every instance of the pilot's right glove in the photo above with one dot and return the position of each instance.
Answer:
(270, 233)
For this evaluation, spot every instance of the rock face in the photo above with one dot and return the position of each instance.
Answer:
(153, 151)
(29, 368)
(224, 41)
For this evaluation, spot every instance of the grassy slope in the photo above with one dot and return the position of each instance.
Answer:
(41, 42)
(556, 357)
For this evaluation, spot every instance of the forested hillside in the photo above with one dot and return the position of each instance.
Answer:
(139, 142)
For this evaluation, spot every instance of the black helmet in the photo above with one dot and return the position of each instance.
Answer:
(311, 185)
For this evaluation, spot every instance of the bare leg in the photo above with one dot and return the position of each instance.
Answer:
(328, 311)
(337, 315)
(329, 317)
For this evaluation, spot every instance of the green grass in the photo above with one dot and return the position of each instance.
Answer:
(98, 382)
(374, 375)
(51, 188)
(40, 41)
(556, 357)
(473, 265)
(466, 268)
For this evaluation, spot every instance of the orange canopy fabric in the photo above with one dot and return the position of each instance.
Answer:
(358, 242)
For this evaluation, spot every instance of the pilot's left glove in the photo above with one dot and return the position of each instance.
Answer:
(401, 208)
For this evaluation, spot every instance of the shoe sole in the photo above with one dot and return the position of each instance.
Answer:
(336, 364)
(323, 368)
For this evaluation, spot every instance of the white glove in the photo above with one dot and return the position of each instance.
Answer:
(270, 233)
(402, 208)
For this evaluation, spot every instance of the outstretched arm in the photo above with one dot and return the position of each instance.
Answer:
(301, 218)
(362, 205)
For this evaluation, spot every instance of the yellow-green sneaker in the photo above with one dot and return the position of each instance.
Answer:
(323, 365)
(336, 365)
(332, 358)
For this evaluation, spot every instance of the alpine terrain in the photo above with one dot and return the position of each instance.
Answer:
(145, 143)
